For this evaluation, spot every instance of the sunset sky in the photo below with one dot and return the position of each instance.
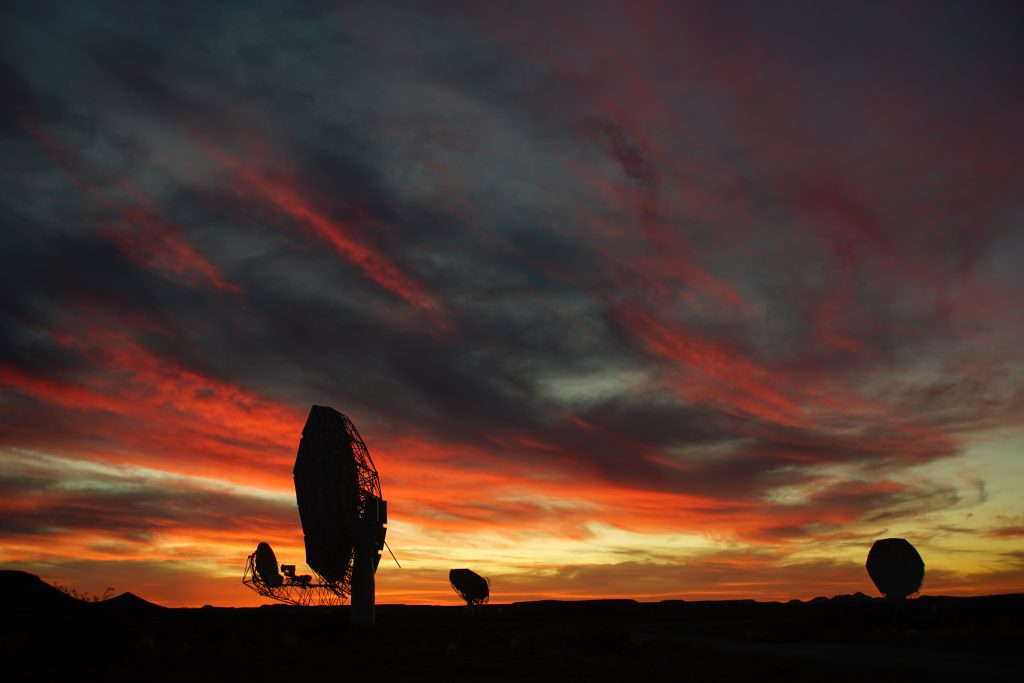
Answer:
(682, 300)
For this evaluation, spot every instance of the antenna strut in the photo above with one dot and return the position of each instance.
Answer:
(392, 554)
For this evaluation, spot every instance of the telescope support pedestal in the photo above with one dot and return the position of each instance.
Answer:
(363, 585)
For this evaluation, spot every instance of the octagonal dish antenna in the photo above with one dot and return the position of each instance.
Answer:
(343, 520)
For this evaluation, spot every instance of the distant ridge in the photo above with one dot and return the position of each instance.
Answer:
(128, 601)
(26, 592)
(590, 602)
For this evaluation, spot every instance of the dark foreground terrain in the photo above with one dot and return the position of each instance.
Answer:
(48, 636)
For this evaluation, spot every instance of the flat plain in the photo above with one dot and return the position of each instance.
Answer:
(49, 636)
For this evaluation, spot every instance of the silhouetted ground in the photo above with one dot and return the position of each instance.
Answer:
(851, 638)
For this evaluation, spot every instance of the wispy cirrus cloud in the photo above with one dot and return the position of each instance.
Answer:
(702, 270)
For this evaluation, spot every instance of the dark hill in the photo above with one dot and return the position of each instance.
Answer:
(24, 592)
(127, 601)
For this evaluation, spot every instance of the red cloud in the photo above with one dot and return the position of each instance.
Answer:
(284, 192)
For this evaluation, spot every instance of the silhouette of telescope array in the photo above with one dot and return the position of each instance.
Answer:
(470, 586)
(343, 518)
(896, 567)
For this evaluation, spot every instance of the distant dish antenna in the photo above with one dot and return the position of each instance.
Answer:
(470, 586)
(896, 568)
(343, 520)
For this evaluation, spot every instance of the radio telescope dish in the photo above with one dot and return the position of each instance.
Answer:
(896, 567)
(343, 518)
(266, 565)
(261, 575)
(470, 586)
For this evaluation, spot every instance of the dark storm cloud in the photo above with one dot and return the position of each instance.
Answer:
(676, 259)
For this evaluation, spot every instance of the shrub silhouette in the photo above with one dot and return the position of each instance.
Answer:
(83, 595)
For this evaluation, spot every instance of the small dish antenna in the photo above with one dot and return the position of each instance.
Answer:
(261, 574)
(470, 586)
(896, 567)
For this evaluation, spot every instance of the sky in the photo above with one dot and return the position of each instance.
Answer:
(682, 300)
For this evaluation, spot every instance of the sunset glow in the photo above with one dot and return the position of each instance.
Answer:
(655, 300)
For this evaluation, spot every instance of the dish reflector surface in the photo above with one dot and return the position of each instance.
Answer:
(337, 491)
(896, 567)
(266, 565)
(470, 586)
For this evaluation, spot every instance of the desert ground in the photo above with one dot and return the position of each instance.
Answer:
(48, 635)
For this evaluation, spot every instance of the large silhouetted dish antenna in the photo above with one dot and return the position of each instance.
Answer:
(470, 586)
(896, 567)
(343, 521)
